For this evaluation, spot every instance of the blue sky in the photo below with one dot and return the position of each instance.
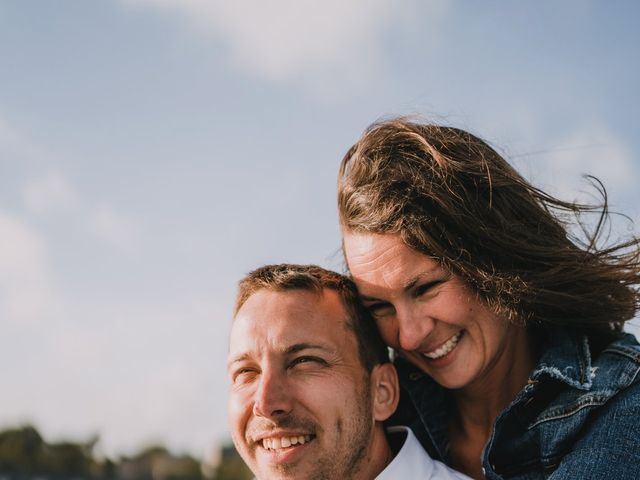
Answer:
(154, 151)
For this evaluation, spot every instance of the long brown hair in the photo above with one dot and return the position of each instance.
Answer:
(452, 197)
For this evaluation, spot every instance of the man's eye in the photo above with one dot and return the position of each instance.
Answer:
(306, 360)
(244, 375)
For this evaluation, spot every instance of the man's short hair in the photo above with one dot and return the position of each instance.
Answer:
(311, 278)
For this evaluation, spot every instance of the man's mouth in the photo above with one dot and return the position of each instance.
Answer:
(279, 443)
(445, 348)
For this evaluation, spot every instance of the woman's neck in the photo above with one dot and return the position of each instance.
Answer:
(478, 404)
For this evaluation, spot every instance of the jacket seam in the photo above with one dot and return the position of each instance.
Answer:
(593, 402)
(630, 353)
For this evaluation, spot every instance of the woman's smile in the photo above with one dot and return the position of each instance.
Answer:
(445, 348)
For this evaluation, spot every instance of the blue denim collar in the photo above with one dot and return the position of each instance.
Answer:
(566, 358)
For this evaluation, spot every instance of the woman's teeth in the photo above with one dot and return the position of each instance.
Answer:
(445, 348)
(284, 442)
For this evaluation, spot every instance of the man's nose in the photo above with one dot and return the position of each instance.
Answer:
(414, 325)
(272, 397)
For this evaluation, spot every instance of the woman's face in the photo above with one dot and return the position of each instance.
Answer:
(426, 313)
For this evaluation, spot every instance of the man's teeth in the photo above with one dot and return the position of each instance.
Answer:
(284, 442)
(445, 348)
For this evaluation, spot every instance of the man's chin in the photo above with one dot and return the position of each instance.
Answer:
(282, 471)
(295, 464)
(279, 467)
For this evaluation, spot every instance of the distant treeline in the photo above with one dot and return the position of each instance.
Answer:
(24, 454)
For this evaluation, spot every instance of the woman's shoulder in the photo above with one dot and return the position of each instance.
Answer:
(585, 363)
(586, 378)
(626, 345)
(594, 397)
(575, 407)
(617, 366)
(596, 429)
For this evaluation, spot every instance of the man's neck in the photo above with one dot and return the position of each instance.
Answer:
(378, 457)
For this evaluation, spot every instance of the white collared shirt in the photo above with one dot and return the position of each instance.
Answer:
(413, 463)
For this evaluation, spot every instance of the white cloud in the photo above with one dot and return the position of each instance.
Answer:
(7, 134)
(593, 150)
(113, 227)
(284, 40)
(25, 293)
(16, 147)
(49, 192)
(52, 193)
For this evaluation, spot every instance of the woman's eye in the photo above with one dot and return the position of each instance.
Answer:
(378, 310)
(427, 287)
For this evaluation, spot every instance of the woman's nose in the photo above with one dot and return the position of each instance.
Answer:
(414, 326)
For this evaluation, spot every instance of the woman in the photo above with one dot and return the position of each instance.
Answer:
(508, 329)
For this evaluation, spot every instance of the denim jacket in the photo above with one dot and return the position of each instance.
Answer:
(577, 418)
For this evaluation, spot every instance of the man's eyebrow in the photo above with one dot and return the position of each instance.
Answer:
(237, 359)
(298, 347)
(293, 349)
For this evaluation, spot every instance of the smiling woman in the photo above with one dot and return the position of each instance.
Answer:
(508, 329)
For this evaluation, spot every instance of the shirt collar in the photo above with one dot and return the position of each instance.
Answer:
(430, 406)
(410, 462)
(413, 462)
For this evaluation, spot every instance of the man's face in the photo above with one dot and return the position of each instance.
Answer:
(300, 403)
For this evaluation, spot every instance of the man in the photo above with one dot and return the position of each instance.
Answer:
(311, 383)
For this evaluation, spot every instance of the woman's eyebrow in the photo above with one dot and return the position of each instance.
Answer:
(407, 285)
(368, 298)
(424, 275)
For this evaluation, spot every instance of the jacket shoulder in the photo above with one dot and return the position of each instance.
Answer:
(603, 414)
(608, 445)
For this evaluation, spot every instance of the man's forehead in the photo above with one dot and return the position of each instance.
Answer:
(276, 320)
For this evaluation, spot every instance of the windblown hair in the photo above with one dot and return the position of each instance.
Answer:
(311, 278)
(450, 196)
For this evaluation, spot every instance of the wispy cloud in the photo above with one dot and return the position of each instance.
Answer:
(53, 193)
(15, 146)
(113, 227)
(598, 151)
(591, 150)
(49, 192)
(306, 40)
(25, 291)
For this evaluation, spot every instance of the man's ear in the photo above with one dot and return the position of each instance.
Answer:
(385, 390)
